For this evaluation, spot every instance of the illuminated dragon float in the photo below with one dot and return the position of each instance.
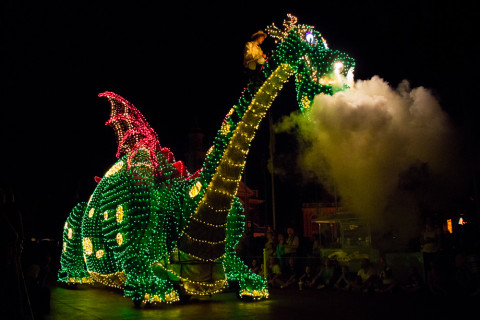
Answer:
(160, 233)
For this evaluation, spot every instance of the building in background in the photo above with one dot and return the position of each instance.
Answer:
(249, 199)
(196, 150)
(342, 235)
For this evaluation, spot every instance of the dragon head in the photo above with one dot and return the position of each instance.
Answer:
(317, 68)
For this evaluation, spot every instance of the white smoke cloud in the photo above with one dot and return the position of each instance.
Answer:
(387, 151)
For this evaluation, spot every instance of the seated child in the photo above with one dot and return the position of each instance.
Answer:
(325, 276)
(306, 279)
(274, 273)
(343, 282)
(385, 280)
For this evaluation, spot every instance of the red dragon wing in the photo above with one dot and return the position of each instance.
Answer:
(132, 130)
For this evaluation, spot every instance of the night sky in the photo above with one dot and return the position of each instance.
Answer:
(180, 65)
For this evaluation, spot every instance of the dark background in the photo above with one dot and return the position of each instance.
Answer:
(180, 64)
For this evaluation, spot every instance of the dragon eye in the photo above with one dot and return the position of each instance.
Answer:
(310, 38)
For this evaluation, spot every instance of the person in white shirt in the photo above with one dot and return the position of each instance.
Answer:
(365, 277)
(253, 56)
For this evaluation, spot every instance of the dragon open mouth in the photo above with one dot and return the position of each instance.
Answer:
(336, 78)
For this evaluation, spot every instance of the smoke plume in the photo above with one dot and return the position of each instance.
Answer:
(388, 152)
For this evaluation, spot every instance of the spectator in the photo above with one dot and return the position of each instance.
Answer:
(473, 263)
(430, 242)
(344, 281)
(365, 277)
(306, 280)
(290, 274)
(316, 246)
(325, 277)
(385, 280)
(12, 290)
(270, 245)
(464, 280)
(255, 267)
(291, 243)
(414, 281)
(274, 273)
(435, 281)
(36, 278)
(280, 251)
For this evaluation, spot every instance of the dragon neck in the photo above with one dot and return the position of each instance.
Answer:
(225, 180)
(224, 173)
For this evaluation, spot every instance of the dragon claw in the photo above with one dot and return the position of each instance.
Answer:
(154, 292)
(168, 297)
(254, 294)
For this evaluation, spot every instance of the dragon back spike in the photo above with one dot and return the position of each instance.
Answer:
(132, 130)
(288, 24)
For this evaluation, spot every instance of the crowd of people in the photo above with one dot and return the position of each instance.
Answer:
(290, 266)
(331, 275)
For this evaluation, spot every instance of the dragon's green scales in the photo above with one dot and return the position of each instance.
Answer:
(155, 230)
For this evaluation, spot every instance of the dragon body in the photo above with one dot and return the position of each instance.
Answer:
(156, 231)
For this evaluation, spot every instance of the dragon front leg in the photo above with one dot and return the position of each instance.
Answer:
(251, 285)
(143, 242)
(143, 284)
(72, 264)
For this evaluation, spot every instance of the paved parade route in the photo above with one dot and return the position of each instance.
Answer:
(104, 303)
